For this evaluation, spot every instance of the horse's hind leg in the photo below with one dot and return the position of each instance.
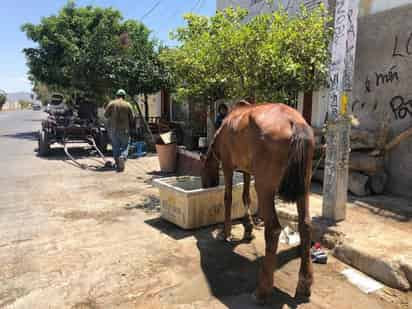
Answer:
(247, 219)
(306, 271)
(272, 233)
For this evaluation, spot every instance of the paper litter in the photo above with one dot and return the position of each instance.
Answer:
(363, 282)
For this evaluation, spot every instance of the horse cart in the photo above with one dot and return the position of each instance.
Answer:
(77, 125)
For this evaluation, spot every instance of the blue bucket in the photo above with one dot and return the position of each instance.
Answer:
(140, 149)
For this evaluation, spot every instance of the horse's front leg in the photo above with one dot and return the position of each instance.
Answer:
(247, 219)
(228, 173)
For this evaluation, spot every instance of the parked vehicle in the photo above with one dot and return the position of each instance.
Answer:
(57, 105)
(36, 106)
(75, 125)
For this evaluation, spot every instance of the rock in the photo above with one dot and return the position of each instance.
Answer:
(386, 270)
(362, 139)
(377, 182)
(363, 162)
(358, 184)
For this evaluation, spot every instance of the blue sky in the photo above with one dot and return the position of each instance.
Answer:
(165, 17)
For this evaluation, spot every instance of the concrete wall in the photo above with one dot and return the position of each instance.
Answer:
(155, 104)
(258, 6)
(11, 106)
(366, 7)
(319, 107)
(369, 7)
(383, 79)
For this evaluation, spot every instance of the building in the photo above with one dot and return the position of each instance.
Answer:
(383, 75)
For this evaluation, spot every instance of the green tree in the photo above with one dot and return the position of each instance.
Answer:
(42, 91)
(3, 98)
(24, 104)
(266, 57)
(92, 50)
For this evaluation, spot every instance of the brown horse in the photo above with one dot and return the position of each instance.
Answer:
(273, 143)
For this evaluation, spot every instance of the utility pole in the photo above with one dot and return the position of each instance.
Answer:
(335, 186)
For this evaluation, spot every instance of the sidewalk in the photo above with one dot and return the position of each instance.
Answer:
(375, 238)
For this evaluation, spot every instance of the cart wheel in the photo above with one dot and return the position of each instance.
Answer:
(44, 147)
(102, 142)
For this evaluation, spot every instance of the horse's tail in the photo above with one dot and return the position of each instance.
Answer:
(296, 179)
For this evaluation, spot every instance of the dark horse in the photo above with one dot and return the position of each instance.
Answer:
(273, 143)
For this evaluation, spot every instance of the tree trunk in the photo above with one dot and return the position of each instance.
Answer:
(363, 162)
(358, 184)
(146, 107)
(210, 123)
(397, 140)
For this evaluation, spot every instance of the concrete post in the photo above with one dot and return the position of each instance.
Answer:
(335, 184)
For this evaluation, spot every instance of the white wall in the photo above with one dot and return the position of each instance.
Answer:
(369, 7)
(155, 104)
(258, 6)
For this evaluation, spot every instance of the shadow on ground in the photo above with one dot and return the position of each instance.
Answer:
(32, 135)
(230, 276)
(79, 153)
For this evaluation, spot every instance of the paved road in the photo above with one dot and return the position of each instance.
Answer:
(72, 238)
(18, 140)
(19, 171)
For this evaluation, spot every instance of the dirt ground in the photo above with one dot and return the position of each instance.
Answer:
(72, 238)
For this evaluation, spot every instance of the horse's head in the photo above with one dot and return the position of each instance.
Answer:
(210, 171)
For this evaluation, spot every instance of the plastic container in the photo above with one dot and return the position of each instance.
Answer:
(167, 155)
(184, 203)
(202, 142)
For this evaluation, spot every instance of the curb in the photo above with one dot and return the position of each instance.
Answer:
(394, 272)
(390, 272)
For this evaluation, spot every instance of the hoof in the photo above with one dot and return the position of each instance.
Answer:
(259, 223)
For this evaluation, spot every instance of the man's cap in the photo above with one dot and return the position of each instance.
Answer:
(121, 93)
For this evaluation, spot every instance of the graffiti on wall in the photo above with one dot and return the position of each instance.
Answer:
(402, 50)
(382, 78)
(350, 51)
(338, 58)
(401, 107)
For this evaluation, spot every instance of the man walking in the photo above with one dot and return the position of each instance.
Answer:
(119, 112)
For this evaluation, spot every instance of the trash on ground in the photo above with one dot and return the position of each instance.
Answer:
(318, 255)
(167, 138)
(363, 282)
(289, 237)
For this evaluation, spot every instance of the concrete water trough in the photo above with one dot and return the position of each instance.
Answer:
(184, 202)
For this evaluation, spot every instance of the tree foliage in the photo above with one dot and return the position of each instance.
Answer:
(3, 98)
(93, 50)
(265, 57)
